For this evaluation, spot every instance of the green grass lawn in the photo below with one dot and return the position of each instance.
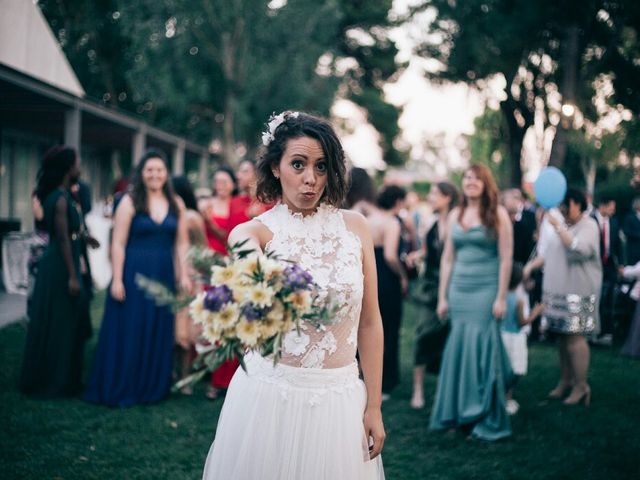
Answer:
(70, 439)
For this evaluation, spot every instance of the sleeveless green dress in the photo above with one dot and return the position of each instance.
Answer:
(475, 372)
(59, 324)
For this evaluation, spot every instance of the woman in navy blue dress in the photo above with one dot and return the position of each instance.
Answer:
(134, 357)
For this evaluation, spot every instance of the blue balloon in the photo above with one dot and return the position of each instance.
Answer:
(550, 187)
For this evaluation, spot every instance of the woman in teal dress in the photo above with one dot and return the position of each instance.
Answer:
(475, 271)
(58, 311)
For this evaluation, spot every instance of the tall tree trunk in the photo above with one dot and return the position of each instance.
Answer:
(568, 89)
(515, 135)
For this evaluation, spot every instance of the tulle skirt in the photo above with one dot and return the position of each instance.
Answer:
(283, 422)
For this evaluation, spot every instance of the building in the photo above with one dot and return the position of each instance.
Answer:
(42, 103)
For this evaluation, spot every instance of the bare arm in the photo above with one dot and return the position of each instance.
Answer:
(121, 224)
(533, 265)
(61, 226)
(36, 208)
(370, 335)
(254, 232)
(536, 311)
(210, 224)
(520, 309)
(182, 247)
(505, 252)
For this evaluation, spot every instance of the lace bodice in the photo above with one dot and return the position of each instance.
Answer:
(321, 244)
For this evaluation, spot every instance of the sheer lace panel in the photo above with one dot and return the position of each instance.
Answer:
(321, 244)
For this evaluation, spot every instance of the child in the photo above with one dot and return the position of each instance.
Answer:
(514, 336)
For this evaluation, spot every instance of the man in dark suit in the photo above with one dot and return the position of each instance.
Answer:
(631, 229)
(611, 256)
(524, 225)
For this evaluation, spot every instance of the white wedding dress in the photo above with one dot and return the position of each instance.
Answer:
(302, 419)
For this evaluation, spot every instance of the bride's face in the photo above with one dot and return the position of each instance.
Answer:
(303, 174)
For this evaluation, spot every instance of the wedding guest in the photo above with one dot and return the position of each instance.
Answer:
(361, 196)
(134, 356)
(216, 211)
(474, 276)
(631, 345)
(525, 229)
(524, 225)
(196, 233)
(571, 288)
(245, 206)
(386, 229)
(59, 322)
(431, 333)
(217, 217)
(512, 329)
(631, 229)
(310, 416)
(611, 257)
(414, 217)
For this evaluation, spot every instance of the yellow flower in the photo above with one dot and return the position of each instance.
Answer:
(211, 331)
(223, 275)
(228, 316)
(248, 332)
(277, 311)
(248, 265)
(196, 309)
(271, 268)
(269, 327)
(301, 301)
(260, 295)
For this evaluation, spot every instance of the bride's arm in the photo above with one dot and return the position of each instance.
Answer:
(254, 232)
(370, 336)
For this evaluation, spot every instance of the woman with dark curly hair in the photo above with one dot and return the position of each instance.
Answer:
(134, 356)
(474, 277)
(310, 416)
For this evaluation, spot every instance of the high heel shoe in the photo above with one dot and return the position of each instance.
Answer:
(558, 392)
(576, 398)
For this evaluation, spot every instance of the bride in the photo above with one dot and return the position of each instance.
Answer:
(309, 417)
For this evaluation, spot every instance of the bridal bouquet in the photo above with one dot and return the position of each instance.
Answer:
(249, 303)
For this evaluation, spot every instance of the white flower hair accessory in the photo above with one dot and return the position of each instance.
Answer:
(274, 122)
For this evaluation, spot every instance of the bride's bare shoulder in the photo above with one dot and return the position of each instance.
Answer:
(356, 223)
(254, 231)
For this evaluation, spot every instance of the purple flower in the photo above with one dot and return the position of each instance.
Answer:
(295, 278)
(251, 312)
(216, 297)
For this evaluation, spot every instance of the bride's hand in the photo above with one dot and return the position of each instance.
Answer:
(373, 428)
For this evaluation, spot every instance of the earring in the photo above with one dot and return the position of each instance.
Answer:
(277, 176)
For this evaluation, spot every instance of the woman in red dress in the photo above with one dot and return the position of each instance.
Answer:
(245, 205)
(217, 216)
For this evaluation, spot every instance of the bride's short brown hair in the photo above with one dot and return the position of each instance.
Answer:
(296, 126)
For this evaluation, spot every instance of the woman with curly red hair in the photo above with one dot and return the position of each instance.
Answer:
(474, 276)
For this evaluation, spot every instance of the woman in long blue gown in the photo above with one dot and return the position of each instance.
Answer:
(134, 357)
(475, 270)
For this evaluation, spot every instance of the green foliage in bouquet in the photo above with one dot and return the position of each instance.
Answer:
(249, 302)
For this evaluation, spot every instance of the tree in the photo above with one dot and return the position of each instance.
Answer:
(486, 145)
(549, 52)
(215, 69)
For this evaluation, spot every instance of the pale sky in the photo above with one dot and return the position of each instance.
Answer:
(431, 115)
